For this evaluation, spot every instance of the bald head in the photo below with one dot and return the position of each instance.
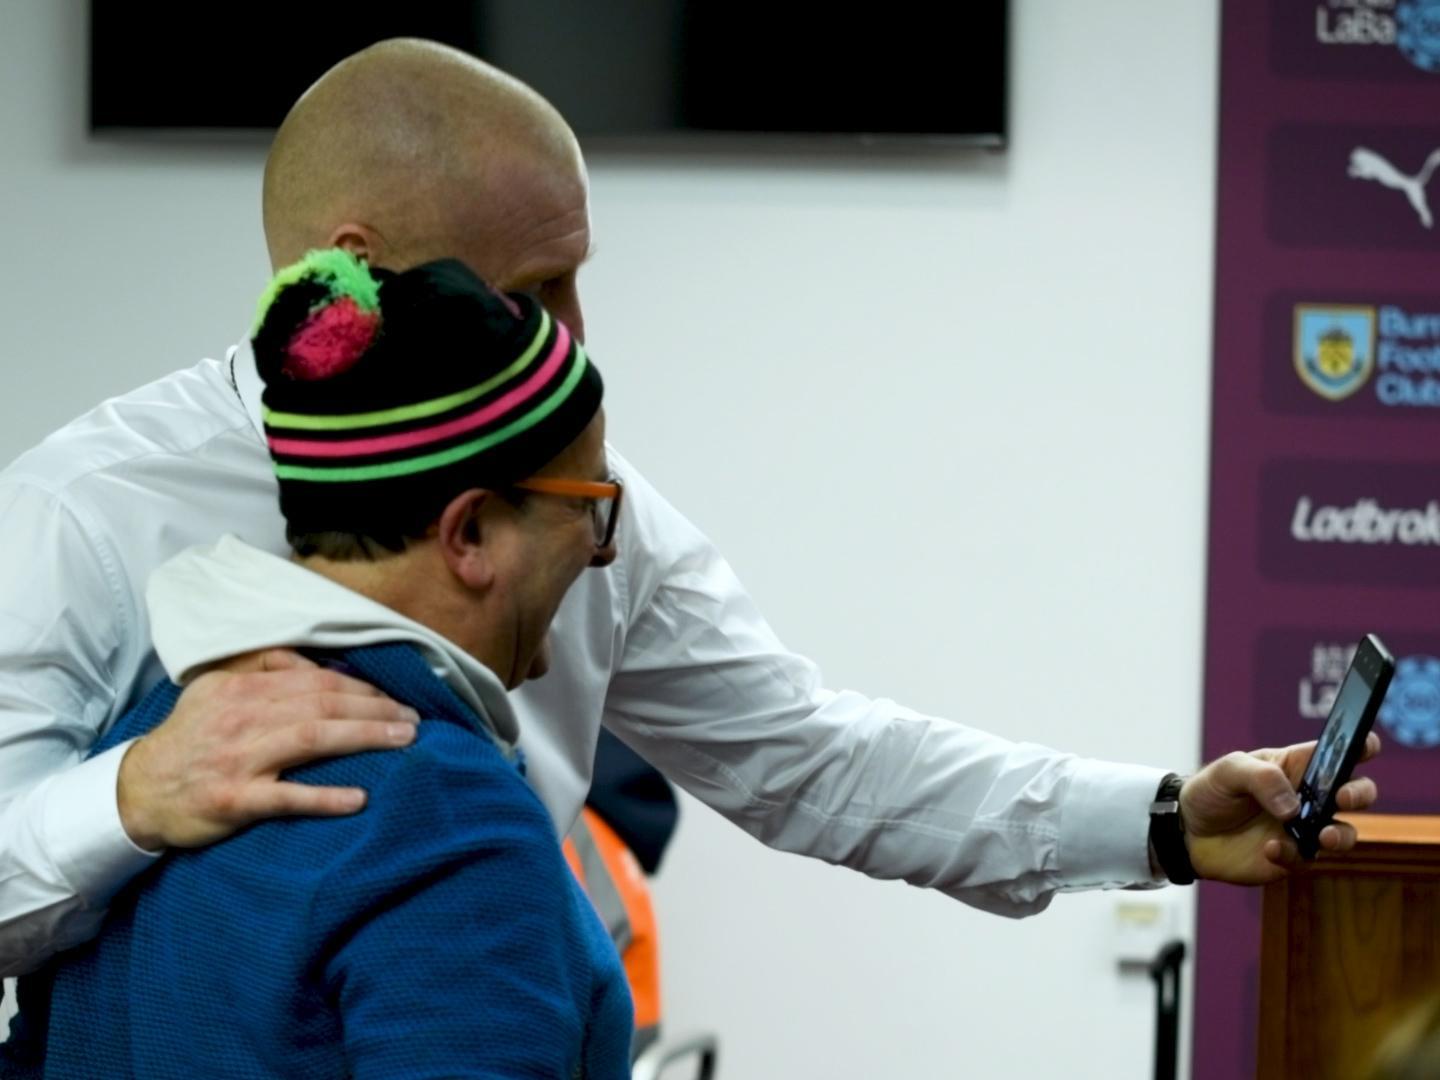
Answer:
(409, 151)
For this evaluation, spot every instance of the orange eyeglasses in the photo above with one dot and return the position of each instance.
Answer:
(604, 498)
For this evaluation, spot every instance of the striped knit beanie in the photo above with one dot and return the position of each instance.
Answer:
(386, 395)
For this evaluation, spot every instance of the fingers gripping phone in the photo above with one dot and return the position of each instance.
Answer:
(1342, 742)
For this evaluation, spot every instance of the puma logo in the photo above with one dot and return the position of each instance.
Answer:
(1366, 164)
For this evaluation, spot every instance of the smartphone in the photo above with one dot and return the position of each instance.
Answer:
(1342, 742)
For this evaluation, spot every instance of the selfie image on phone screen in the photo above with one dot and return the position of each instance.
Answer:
(1330, 754)
(1341, 743)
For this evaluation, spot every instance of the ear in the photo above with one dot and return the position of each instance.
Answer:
(360, 240)
(466, 537)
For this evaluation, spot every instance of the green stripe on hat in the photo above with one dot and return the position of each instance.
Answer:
(441, 458)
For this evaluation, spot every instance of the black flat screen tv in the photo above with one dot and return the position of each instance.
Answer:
(614, 68)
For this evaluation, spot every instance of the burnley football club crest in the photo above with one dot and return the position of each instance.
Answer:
(1334, 347)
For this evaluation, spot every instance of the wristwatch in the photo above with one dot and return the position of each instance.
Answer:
(1167, 832)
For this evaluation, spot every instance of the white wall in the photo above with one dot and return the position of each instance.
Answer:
(946, 415)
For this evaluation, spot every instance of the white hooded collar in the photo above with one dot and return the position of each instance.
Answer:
(211, 603)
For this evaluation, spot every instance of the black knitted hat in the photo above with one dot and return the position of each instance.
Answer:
(386, 395)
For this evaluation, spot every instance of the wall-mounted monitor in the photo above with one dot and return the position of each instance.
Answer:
(615, 68)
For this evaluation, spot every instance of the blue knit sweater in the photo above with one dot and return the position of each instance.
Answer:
(437, 933)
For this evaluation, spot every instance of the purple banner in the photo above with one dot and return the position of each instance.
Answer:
(1325, 448)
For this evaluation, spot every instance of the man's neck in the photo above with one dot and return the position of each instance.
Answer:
(408, 583)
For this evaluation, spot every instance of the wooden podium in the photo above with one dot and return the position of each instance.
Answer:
(1348, 946)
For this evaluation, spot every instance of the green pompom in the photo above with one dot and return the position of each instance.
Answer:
(338, 270)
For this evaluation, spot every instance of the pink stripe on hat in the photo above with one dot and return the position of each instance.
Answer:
(512, 399)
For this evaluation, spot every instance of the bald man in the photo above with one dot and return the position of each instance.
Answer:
(403, 153)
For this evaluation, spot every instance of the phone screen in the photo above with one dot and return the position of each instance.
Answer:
(1340, 731)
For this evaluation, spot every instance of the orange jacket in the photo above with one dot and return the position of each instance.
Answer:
(616, 885)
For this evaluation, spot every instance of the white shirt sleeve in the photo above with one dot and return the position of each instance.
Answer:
(708, 694)
(66, 643)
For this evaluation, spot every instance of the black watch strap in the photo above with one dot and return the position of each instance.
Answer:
(1167, 832)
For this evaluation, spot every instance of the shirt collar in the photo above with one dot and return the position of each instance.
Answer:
(247, 382)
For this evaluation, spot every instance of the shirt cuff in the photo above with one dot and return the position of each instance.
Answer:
(1105, 825)
(83, 830)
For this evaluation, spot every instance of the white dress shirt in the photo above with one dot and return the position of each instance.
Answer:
(665, 648)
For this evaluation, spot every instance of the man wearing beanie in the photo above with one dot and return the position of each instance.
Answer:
(440, 453)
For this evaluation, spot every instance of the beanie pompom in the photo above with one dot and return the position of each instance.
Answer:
(330, 341)
(318, 316)
(339, 272)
